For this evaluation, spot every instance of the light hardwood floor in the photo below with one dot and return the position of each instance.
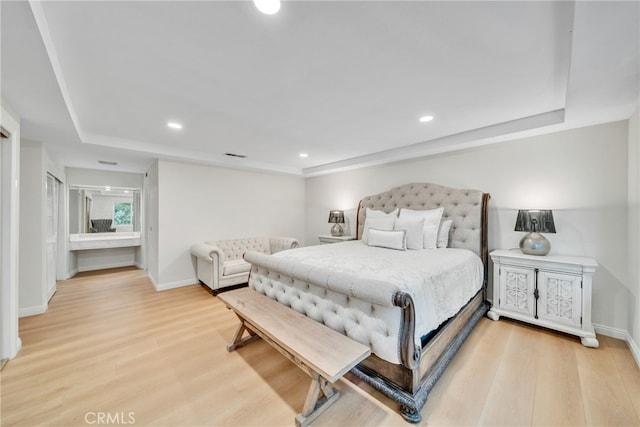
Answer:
(111, 344)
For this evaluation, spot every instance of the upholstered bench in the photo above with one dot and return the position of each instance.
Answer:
(219, 263)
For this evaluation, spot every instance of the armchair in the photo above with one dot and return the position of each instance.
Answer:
(219, 263)
(101, 226)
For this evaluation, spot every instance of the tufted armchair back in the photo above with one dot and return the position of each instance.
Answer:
(465, 207)
(101, 226)
(235, 248)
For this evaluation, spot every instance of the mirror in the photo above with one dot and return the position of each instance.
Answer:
(103, 209)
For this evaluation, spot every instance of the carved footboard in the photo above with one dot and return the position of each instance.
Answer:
(409, 383)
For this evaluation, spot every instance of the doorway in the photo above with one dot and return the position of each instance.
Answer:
(3, 136)
(9, 213)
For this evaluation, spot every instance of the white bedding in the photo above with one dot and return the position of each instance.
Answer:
(440, 281)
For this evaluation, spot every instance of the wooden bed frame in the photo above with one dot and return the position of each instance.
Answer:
(418, 365)
(410, 382)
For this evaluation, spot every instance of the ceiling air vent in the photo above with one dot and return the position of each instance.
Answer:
(107, 162)
(240, 156)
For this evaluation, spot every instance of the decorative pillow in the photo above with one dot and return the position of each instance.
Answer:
(388, 239)
(443, 234)
(381, 223)
(372, 213)
(431, 224)
(414, 228)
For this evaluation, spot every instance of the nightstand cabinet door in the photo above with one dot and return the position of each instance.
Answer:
(560, 298)
(517, 289)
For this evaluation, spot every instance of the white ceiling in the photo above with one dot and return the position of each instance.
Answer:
(344, 81)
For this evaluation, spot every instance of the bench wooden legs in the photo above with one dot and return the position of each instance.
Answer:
(238, 340)
(321, 393)
(320, 396)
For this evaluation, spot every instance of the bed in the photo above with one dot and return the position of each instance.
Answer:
(413, 308)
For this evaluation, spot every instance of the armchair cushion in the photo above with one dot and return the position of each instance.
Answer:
(235, 266)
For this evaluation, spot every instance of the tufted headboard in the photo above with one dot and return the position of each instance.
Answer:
(467, 209)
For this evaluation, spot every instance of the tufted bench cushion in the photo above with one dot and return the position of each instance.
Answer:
(219, 263)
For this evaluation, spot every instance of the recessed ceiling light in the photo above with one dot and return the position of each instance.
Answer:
(425, 119)
(107, 162)
(268, 7)
(174, 125)
(304, 155)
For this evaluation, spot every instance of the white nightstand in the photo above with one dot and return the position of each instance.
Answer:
(551, 291)
(328, 238)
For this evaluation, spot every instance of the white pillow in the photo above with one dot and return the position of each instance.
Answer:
(372, 213)
(388, 239)
(381, 223)
(431, 224)
(414, 227)
(443, 234)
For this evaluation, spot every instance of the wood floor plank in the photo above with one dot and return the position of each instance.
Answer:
(510, 399)
(110, 343)
(629, 371)
(606, 400)
(558, 397)
(467, 380)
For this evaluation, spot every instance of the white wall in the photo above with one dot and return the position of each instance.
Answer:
(198, 203)
(634, 229)
(151, 230)
(35, 163)
(9, 232)
(97, 177)
(33, 274)
(99, 259)
(581, 174)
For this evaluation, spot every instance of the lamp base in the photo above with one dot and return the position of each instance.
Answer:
(337, 230)
(535, 244)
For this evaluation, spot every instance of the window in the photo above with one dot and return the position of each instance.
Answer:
(122, 213)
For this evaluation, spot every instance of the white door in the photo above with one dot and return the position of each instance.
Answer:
(52, 233)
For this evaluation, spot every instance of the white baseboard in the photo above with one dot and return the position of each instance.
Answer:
(633, 346)
(32, 311)
(18, 348)
(72, 273)
(106, 266)
(173, 285)
(620, 334)
(51, 292)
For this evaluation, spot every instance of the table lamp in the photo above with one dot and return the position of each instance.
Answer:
(336, 218)
(535, 221)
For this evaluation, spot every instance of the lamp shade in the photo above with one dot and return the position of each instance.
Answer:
(336, 217)
(540, 221)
